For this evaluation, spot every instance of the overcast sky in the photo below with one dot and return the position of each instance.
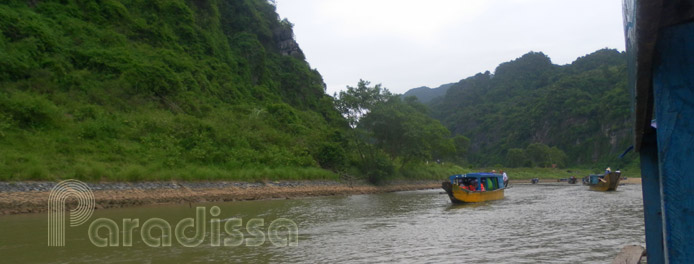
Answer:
(404, 44)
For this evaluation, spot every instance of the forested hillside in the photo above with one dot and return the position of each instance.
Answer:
(182, 89)
(531, 112)
(158, 90)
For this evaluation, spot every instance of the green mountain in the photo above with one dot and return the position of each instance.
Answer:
(533, 112)
(205, 89)
(139, 89)
(425, 94)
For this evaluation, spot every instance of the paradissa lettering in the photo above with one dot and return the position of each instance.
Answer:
(104, 232)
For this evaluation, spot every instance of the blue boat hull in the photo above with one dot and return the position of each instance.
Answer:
(660, 47)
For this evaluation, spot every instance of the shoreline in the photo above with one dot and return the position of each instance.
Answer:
(32, 197)
(557, 182)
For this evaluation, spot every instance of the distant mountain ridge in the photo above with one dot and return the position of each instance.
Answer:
(582, 108)
(425, 94)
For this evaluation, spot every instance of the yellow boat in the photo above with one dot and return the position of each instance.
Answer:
(603, 183)
(474, 187)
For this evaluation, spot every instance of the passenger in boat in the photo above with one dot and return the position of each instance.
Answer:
(473, 185)
(463, 184)
(607, 171)
(482, 186)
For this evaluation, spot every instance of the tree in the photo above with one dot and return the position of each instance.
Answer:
(384, 125)
(516, 157)
(538, 154)
(358, 101)
(353, 104)
(558, 157)
(402, 130)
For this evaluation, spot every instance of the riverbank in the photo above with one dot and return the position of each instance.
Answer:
(556, 181)
(553, 173)
(32, 197)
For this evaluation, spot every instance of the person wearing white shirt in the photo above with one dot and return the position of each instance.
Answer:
(505, 178)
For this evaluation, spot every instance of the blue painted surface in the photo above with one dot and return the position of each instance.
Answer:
(673, 88)
(650, 181)
(594, 178)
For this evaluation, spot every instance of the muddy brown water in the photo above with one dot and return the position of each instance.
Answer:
(533, 224)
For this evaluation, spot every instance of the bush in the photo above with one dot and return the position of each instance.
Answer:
(330, 156)
(283, 113)
(29, 111)
(99, 129)
(377, 167)
(154, 79)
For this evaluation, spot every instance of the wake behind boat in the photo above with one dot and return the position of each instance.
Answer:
(474, 187)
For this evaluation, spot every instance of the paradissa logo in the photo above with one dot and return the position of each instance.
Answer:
(105, 232)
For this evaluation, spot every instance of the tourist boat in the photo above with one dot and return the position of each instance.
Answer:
(474, 187)
(603, 182)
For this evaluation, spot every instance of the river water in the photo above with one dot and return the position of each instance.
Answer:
(533, 224)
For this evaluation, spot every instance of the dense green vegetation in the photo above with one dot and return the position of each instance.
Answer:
(386, 131)
(531, 112)
(182, 89)
(158, 90)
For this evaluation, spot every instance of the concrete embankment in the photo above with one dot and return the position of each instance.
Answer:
(32, 197)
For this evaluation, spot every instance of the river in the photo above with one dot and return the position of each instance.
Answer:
(534, 224)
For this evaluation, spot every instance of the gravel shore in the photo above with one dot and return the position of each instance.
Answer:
(32, 197)
(45, 186)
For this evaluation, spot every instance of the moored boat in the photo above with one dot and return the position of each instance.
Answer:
(474, 187)
(603, 182)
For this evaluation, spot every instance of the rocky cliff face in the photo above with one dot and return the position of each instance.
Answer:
(287, 45)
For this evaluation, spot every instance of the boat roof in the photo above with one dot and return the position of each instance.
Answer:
(473, 175)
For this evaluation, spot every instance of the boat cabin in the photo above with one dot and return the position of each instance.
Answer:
(490, 181)
(595, 178)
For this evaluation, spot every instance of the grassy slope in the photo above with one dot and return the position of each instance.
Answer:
(134, 90)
